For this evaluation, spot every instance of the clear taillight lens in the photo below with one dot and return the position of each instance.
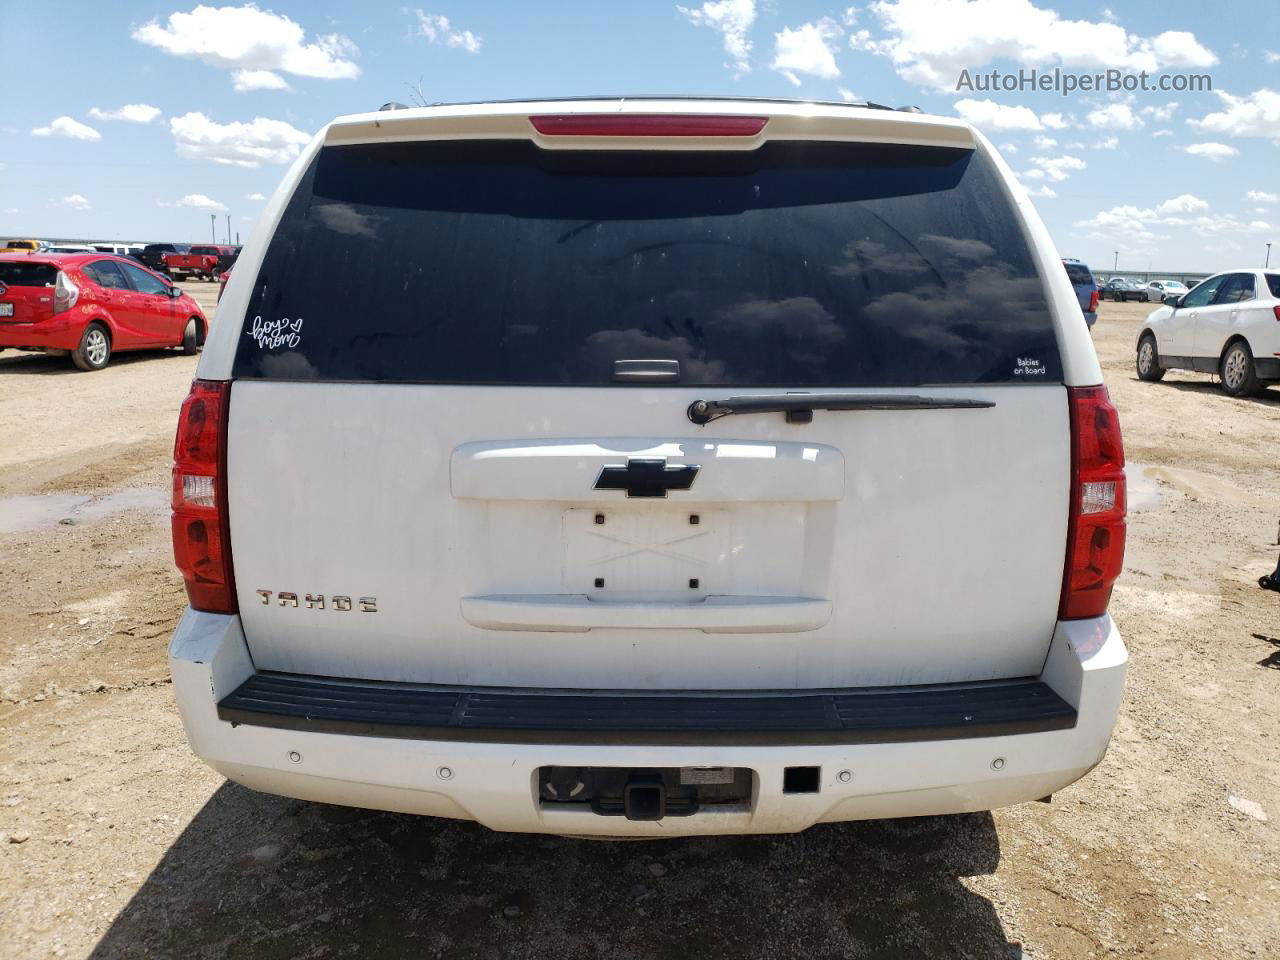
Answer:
(65, 293)
(201, 531)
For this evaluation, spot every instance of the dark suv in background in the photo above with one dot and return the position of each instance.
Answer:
(1086, 289)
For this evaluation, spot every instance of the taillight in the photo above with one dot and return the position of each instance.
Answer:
(1096, 525)
(1276, 311)
(646, 125)
(65, 293)
(1093, 302)
(201, 532)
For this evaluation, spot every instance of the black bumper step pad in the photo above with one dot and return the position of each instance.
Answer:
(524, 715)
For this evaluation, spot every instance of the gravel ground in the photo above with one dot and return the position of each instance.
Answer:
(116, 842)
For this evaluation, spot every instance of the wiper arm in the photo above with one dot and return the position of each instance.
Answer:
(799, 407)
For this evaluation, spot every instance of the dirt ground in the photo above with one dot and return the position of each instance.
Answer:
(116, 842)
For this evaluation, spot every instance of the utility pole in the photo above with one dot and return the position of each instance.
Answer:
(1116, 266)
(1268, 263)
(228, 228)
(213, 228)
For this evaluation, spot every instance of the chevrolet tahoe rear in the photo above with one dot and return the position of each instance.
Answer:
(650, 468)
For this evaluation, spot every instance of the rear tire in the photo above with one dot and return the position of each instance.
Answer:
(193, 337)
(94, 351)
(1148, 360)
(1238, 372)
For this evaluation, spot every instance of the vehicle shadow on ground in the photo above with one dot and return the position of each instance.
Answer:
(264, 877)
(1269, 396)
(14, 362)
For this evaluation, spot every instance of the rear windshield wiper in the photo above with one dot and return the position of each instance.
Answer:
(799, 407)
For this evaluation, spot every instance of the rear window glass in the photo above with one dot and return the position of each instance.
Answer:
(1273, 281)
(1078, 273)
(795, 264)
(28, 274)
(204, 250)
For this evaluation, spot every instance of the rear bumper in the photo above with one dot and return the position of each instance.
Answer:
(61, 332)
(1268, 368)
(867, 769)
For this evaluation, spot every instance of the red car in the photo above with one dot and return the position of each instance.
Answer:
(92, 304)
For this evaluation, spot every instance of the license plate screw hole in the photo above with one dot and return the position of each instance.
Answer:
(693, 583)
(599, 519)
(694, 519)
(599, 582)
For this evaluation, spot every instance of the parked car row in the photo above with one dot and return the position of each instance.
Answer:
(91, 305)
(175, 260)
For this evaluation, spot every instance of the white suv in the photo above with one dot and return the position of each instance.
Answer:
(649, 468)
(1228, 324)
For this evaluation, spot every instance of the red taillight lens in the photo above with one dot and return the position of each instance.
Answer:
(1276, 311)
(646, 125)
(1093, 302)
(201, 533)
(1095, 534)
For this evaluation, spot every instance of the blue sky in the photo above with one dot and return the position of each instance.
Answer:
(219, 98)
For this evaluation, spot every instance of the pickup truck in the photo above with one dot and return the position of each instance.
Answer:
(206, 262)
(152, 255)
(650, 468)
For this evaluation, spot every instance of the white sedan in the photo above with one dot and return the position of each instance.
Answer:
(1228, 325)
(1159, 289)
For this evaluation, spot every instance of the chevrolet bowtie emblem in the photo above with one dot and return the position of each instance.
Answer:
(647, 478)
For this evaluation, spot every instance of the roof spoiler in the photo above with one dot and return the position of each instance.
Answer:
(784, 120)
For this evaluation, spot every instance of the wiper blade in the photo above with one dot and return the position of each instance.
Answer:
(799, 407)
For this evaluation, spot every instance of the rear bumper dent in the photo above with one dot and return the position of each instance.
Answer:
(494, 782)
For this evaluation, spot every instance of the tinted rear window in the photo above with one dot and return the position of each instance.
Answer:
(1079, 274)
(28, 274)
(1273, 281)
(796, 264)
(201, 251)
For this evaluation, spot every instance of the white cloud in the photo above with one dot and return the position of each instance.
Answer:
(1044, 190)
(809, 48)
(1262, 196)
(130, 113)
(1008, 148)
(246, 38)
(198, 201)
(1216, 152)
(73, 202)
(1271, 56)
(1163, 133)
(1116, 116)
(1044, 143)
(1160, 114)
(990, 115)
(848, 95)
(254, 196)
(733, 18)
(1054, 168)
(1056, 121)
(236, 144)
(243, 81)
(1135, 226)
(438, 29)
(1257, 115)
(1186, 203)
(66, 127)
(1109, 143)
(931, 41)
